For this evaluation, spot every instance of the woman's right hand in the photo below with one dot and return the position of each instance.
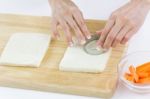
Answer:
(66, 14)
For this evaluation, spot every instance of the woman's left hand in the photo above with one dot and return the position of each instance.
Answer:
(123, 23)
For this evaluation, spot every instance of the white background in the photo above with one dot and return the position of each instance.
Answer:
(92, 9)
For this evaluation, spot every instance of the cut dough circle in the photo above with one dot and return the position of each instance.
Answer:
(77, 60)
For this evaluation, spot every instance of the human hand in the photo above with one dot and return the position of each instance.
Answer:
(68, 16)
(123, 23)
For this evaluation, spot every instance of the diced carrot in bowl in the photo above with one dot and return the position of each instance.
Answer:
(140, 74)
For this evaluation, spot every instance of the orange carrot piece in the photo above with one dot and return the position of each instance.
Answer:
(140, 74)
(144, 80)
(143, 68)
(133, 72)
(143, 74)
(131, 69)
(129, 77)
(126, 75)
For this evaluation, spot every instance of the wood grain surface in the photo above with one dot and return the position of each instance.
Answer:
(48, 77)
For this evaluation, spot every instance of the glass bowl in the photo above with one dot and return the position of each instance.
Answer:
(135, 59)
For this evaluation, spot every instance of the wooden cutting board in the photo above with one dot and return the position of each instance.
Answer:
(48, 77)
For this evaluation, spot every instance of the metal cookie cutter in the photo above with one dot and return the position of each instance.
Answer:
(91, 48)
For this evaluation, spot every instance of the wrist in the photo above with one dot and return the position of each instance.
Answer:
(148, 1)
(53, 2)
(144, 3)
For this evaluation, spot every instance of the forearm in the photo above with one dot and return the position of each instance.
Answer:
(148, 1)
(144, 1)
(52, 2)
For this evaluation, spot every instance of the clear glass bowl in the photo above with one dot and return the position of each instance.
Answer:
(134, 59)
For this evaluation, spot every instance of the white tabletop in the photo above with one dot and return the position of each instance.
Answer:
(92, 9)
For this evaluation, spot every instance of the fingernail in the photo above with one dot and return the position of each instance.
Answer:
(99, 45)
(71, 44)
(98, 48)
(89, 37)
(83, 42)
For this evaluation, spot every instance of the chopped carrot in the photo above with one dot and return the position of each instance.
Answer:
(140, 74)
(127, 74)
(144, 67)
(131, 69)
(133, 72)
(129, 77)
(143, 74)
(145, 80)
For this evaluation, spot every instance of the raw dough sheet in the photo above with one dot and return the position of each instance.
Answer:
(25, 49)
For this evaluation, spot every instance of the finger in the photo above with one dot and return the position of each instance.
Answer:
(110, 24)
(75, 27)
(121, 34)
(105, 32)
(99, 32)
(128, 35)
(67, 32)
(54, 25)
(80, 21)
(112, 34)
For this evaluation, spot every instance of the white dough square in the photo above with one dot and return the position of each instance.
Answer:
(77, 60)
(25, 49)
